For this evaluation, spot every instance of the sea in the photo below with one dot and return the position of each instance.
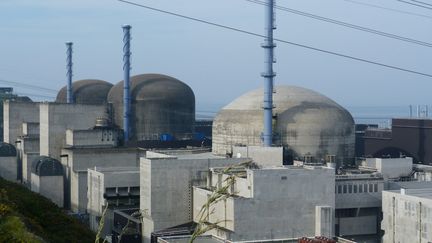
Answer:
(379, 115)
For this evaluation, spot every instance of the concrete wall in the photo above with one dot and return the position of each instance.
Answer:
(76, 163)
(97, 137)
(362, 225)
(358, 191)
(283, 204)
(50, 187)
(9, 168)
(324, 221)
(99, 179)
(407, 218)
(14, 115)
(166, 189)
(264, 156)
(392, 167)
(30, 129)
(27, 161)
(56, 118)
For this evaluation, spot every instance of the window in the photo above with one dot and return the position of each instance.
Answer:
(355, 188)
(344, 188)
(339, 190)
(370, 188)
(365, 187)
(360, 188)
(350, 188)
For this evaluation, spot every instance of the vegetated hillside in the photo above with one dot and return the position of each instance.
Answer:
(26, 216)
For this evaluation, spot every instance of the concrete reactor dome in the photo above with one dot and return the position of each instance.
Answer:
(87, 91)
(46, 166)
(159, 105)
(7, 150)
(305, 122)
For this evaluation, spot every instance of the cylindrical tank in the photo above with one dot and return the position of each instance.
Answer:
(305, 122)
(159, 105)
(87, 91)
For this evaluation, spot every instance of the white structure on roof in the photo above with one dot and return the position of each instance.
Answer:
(407, 215)
(391, 168)
(268, 203)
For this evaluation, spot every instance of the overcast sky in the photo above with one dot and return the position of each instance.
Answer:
(219, 64)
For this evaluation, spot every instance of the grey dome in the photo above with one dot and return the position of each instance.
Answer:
(87, 91)
(307, 123)
(7, 150)
(46, 166)
(159, 105)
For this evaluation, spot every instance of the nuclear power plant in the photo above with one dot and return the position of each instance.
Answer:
(279, 164)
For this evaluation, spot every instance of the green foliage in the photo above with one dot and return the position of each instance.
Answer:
(37, 215)
(12, 229)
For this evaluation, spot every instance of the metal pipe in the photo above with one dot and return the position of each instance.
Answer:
(268, 74)
(410, 111)
(69, 94)
(126, 90)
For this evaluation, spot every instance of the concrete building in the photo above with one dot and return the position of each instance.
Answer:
(166, 186)
(56, 118)
(96, 149)
(407, 215)
(87, 91)
(47, 179)
(306, 123)
(112, 187)
(408, 137)
(28, 150)
(14, 115)
(6, 93)
(159, 105)
(358, 205)
(8, 162)
(268, 203)
(391, 168)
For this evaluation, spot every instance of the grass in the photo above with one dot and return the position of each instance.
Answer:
(34, 218)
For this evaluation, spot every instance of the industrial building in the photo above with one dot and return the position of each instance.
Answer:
(305, 123)
(111, 189)
(87, 91)
(407, 215)
(409, 137)
(170, 102)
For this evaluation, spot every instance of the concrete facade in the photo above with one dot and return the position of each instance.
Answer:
(305, 122)
(407, 215)
(115, 188)
(166, 187)
(263, 156)
(391, 168)
(9, 168)
(14, 115)
(56, 118)
(270, 203)
(77, 161)
(358, 203)
(50, 187)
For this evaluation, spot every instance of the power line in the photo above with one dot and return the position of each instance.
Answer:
(24, 85)
(388, 9)
(424, 3)
(345, 24)
(414, 4)
(280, 40)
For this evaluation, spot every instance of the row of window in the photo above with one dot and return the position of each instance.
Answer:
(357, 188)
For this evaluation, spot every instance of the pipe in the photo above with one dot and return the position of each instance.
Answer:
(69, 94)
(126, 83)
(268, 74)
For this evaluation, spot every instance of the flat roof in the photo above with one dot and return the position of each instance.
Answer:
(422, 193)
(116, 169)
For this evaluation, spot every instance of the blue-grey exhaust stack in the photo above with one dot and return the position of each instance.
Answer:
(126, 89)
(69, 95)
(268, 74)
